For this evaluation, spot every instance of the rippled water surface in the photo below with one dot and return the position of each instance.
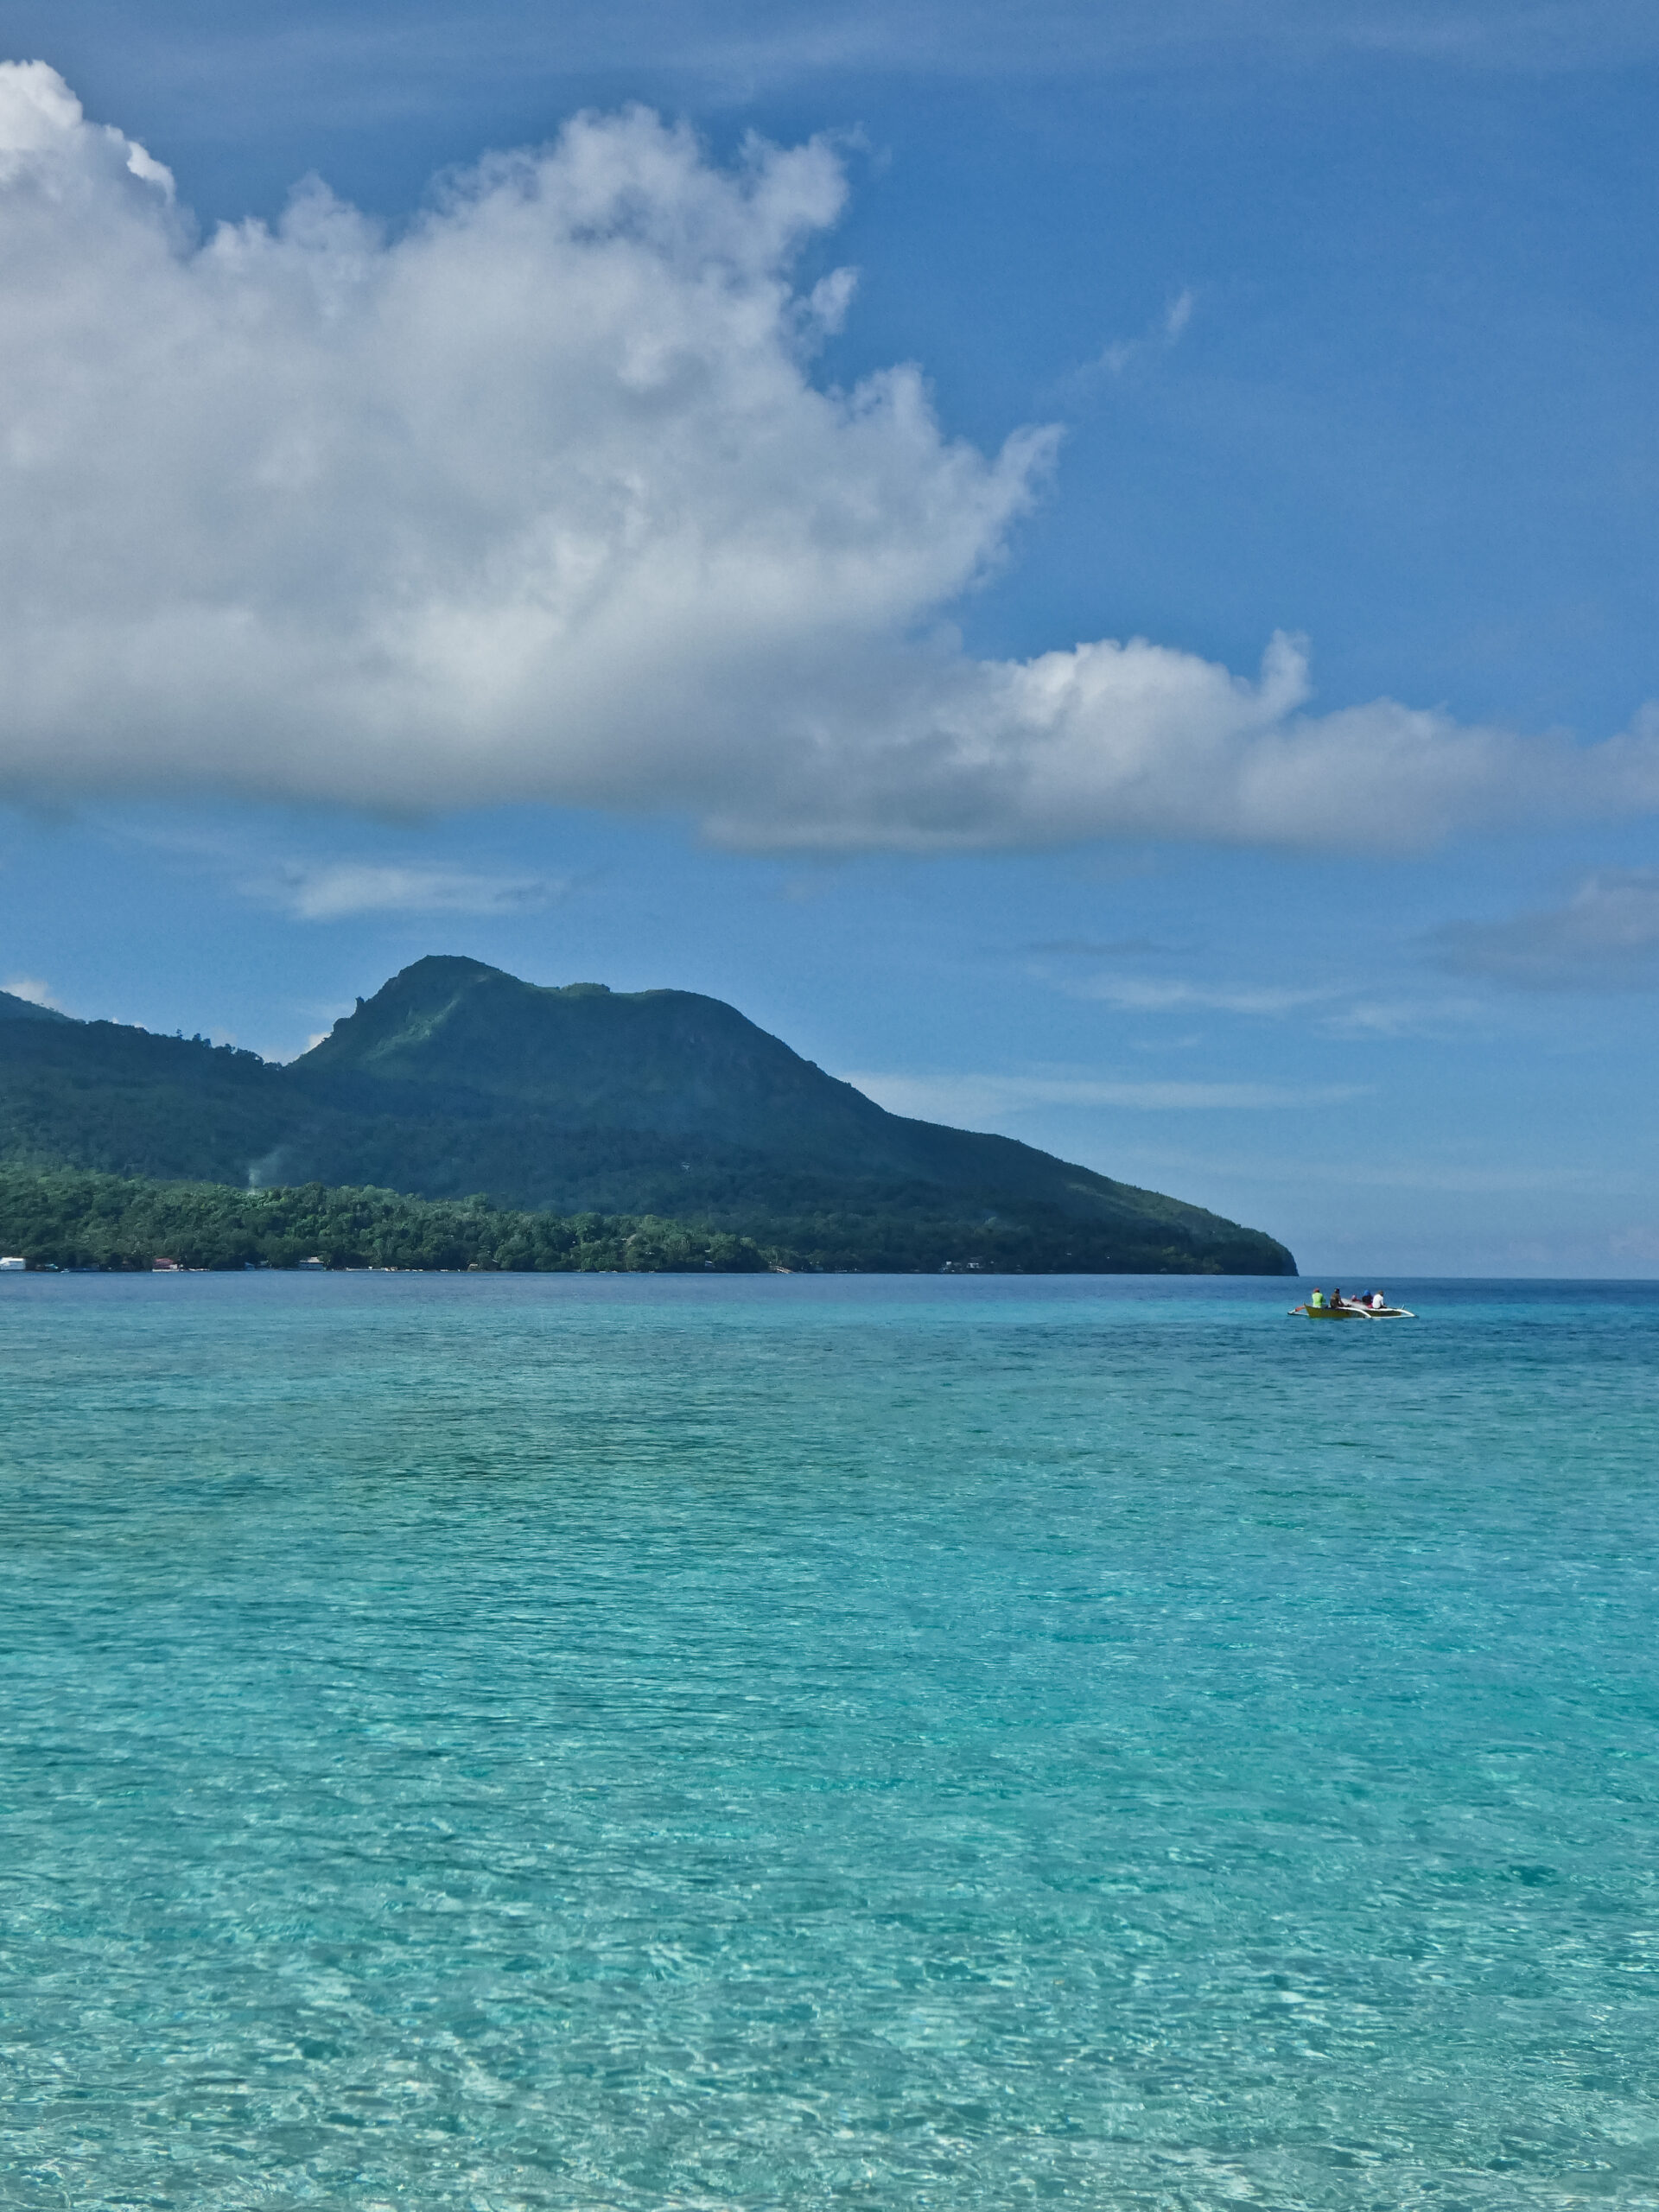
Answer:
(513, 1742)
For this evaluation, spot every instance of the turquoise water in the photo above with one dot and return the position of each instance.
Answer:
(621, 1743)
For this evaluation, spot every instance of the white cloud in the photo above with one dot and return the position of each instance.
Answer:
(339, 51)
(39, 116)
(990, 1098)
(1379, 1020)
(1606, 938)
(32, 988)
(538, 501)
(331, 891)
(1334, 1009)
(1123, 353)
(1143, 994)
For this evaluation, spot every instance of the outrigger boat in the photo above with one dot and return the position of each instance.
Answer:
(1352, 1309)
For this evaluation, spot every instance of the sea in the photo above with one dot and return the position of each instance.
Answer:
(617, 1744)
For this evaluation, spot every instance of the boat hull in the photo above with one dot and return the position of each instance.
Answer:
(1346, 1312)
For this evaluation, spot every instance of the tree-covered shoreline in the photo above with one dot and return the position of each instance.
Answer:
(73, 1218)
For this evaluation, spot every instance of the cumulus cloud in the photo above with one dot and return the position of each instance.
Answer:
(1606, 938)
(333, 891)
(538, 499)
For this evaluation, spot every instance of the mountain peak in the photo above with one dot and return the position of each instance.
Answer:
(456, 1076)
(435, 973)
(590, 1056)
(418, 995)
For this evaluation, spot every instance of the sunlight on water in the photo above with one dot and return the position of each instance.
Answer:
(500, 1743)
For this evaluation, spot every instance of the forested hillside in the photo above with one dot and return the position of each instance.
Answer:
(457, 1079)
(66, 1217)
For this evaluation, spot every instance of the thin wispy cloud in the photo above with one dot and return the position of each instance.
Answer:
(1152, 995)
(988, 1099)
(1121, 352)
(1455, 1178)
(538, 501)
(1370, 1166)
(727, 46)
(333, 891)
(1605, 938)
(1380, 1019)
(1331, 1009)
(335, 888)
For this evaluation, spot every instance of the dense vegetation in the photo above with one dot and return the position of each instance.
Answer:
(456, 1079)
(68, 1218)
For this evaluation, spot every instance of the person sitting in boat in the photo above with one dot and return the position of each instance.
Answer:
(1316, 1301)
(1376, 1301)
(1336, 1300)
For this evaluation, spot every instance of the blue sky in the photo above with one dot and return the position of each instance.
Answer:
(563, 563)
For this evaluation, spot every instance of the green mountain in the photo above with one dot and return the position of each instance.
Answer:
(457, 1079)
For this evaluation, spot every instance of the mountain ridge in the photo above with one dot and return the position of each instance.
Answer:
(13, 1008)
(457, 1079)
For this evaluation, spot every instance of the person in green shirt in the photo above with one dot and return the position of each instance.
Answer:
(1316, 1303)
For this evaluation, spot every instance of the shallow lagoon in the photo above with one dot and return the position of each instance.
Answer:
(632, 1742)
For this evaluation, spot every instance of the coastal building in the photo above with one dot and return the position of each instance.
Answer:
(167, 1267)
(14, 1264)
